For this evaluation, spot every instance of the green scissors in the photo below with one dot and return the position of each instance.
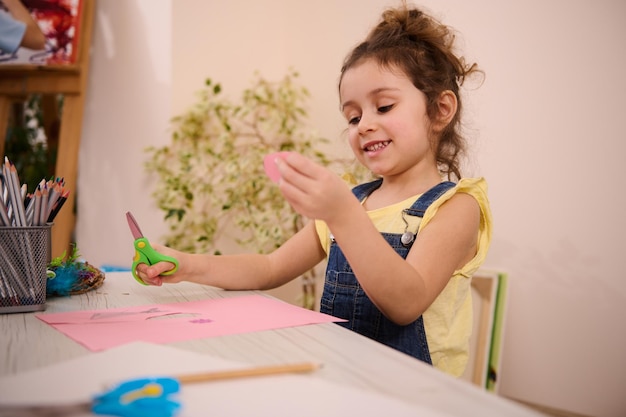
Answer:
(144, 253)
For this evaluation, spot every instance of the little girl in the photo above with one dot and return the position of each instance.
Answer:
(401, 250)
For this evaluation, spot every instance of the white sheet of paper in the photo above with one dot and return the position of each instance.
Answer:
(303, 395)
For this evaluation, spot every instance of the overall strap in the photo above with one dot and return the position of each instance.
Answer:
(363, 190)
(419, 206)
(425, 200)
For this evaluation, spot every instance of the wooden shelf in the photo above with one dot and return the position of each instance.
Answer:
(19, 81)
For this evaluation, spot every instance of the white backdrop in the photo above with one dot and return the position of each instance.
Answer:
(546, 131)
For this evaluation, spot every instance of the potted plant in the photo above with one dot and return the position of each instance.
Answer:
(211, 176)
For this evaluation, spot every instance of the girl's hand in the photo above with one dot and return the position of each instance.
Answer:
(311, 189)
(151, 274)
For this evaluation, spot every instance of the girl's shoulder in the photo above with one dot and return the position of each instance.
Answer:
(476, 187)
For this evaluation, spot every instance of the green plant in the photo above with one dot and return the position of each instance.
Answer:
(211, 176)
(26, 142)
(65, 260)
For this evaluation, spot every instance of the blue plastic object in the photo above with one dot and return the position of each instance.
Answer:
(145, 397)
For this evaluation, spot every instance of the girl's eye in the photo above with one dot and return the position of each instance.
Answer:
(354, 120)
(385, 109)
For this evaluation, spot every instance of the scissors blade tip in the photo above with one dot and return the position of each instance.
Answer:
(134, 227)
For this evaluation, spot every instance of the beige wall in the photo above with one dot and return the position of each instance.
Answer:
(546, 129)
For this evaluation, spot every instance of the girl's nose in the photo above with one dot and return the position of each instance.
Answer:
(367, 124)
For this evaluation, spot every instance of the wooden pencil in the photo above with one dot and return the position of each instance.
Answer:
(248, 372)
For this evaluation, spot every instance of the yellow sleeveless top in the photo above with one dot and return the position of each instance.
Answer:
(448, 321)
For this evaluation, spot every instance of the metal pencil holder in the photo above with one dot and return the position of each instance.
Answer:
(24, 256)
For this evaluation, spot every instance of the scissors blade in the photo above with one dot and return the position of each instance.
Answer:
(134, 227)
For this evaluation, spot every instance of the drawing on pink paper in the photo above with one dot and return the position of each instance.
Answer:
(125, 314)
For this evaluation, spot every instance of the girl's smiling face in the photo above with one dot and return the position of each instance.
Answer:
(388, 127)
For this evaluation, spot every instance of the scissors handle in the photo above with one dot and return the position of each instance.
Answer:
(144, 397)
(145, 254)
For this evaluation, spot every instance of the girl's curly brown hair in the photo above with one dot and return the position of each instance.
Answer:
(423, 48)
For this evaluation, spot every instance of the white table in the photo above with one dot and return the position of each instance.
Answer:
(348, 358)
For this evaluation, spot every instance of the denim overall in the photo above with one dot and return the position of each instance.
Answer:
(344, 298)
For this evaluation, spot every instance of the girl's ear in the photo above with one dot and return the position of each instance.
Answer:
(446, 109)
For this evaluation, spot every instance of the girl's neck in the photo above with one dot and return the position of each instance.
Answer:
(395, 189)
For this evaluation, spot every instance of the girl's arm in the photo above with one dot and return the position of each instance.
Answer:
(404, 289)
(242, 271)
(401, 289)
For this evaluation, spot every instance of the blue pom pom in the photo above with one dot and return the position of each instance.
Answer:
(64, 282)
(73, 278)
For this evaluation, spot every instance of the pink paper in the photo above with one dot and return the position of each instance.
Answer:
(165, 323)
(269, 163)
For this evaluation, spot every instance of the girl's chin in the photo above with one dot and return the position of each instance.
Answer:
(377, 171)
(376, 167)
